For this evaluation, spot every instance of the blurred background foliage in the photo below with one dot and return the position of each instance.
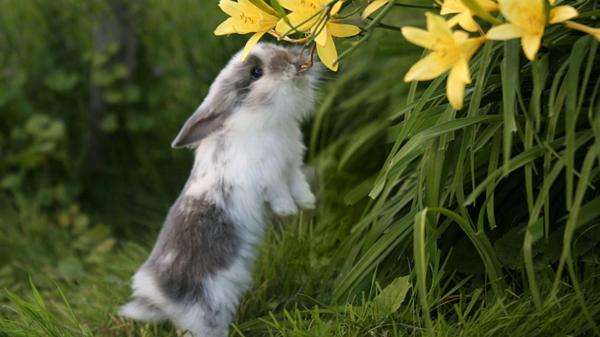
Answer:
(92, 93)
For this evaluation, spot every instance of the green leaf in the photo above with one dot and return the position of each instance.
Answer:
(11, 181)
(277, 6)
(109, 123)
(421, 138)
(589, 212)
(508, 248)
(421, 263)
(510, 76)
(70, 268)
(113, 96)
(572, 111)
(392, 296)
(60, 81)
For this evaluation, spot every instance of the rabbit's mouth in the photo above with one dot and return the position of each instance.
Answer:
(305, 67)
(308, 64)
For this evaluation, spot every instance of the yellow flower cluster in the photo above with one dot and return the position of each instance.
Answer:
(313, 19)
(452, 50)
(318, 22)
(449, 50)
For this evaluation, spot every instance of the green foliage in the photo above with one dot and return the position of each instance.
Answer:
(431, 221)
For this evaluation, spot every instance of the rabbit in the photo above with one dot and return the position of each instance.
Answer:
(248, 153)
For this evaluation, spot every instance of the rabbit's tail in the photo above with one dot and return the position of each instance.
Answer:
(142, 309)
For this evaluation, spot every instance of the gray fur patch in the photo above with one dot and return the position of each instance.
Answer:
(280, 60)
(197, 240)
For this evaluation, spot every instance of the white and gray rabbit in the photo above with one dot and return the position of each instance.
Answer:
(248, 153)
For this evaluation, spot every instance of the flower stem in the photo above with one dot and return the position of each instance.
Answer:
(414, 6)
(386, 26)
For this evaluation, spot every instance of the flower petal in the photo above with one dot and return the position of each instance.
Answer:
(505, 31)
(321, 38)
(336, 8)
(488, 5)
(226, 27)
(267, 23)
(302, 20)
(230, 8)
(453, 6)
(455, 91)
(460, 36)
(298, 20)
(453, 21)
(420, 37)
(524, 13)
(428, 68)
(460, 71)
(531, 45)
(467, 23)
(470, 46)
(562, 14)
(328, 54)
(437, 26)
(250, 44)
(455, 86)
(342, 30)
(373, 7)
(292, 5)
(248, 6)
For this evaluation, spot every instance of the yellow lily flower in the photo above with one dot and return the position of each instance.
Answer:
(373, 7)
(449, 50)
(464, 15)
(245, 18)
(595, 32)
(528, 21)
(305, 17)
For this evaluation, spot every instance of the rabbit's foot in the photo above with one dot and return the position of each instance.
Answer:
(305, 200)
(283, 206)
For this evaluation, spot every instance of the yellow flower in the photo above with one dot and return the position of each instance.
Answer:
(528, 21)
(305, 17)
(245, 18)
(449, 50)
(595, 32)
(373, 7)
(465, 17)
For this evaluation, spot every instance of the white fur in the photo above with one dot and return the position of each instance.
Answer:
(258, 152)
(144, 285)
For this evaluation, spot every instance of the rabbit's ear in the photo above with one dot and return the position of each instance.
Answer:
(201, 124)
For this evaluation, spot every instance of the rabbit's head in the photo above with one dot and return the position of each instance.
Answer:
(271, 87)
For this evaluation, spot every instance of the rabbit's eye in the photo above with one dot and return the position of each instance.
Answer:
(256, 72)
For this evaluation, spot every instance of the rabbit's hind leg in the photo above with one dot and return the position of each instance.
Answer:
(199, 320)
(212, 314)
(142, 309)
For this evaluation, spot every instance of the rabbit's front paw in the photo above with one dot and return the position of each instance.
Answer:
(284, 206)
(301, 192)
(306, 200)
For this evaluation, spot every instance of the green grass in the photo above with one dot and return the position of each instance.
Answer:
(288, 300)
(431, 221)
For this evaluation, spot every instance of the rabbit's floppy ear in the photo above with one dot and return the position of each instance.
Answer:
(201, 123)
(209, 117)
(223, 96)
